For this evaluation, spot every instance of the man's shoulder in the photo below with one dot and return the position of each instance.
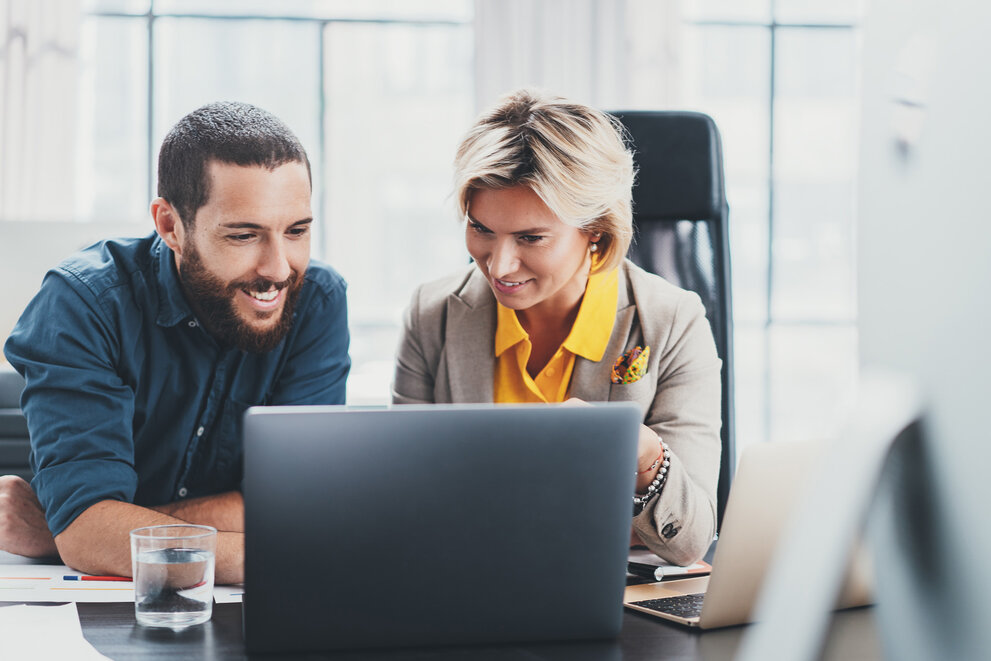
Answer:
(110, 263)
(323, 280)
(96, 295)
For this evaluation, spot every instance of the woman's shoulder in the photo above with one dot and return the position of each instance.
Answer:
(649, 290)
(466, 283)
(429, 305)
(667, 313)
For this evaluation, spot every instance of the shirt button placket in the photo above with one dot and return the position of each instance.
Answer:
(183, 491)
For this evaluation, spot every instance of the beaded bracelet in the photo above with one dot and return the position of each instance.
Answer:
(653, 465)
(655, 486)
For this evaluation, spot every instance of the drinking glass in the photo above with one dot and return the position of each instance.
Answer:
(173, 574)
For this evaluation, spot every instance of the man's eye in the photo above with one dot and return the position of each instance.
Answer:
(531, 238)
(299, 231)
(241, 237)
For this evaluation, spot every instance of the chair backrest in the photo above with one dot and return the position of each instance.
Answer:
(14, 444)
(680, 232)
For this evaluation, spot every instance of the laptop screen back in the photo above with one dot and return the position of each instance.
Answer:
(454, 524)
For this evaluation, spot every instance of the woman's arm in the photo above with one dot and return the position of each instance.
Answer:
(680, 524)
(413, 382)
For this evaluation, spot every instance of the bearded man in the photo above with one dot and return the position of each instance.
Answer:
(141, 355)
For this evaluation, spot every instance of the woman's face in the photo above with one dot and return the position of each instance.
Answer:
(532, 260)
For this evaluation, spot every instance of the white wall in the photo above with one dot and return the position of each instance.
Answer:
(924, 266)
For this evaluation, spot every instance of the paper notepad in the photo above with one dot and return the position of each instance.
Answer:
(645, 564)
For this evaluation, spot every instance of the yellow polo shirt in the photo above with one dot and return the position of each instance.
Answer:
(588, 338)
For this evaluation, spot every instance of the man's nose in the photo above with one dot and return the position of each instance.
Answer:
(273, 263)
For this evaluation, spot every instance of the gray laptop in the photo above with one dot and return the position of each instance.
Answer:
(435, 525)
(769, 483)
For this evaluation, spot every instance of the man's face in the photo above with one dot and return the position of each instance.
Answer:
(242, 266)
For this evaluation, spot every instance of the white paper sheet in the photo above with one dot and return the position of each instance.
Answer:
(44, 632)
(228, 594)
(47, 583)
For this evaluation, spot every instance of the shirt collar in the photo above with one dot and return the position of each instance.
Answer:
(592, 329)
(509, 332)
(590, 334)
(172, 305)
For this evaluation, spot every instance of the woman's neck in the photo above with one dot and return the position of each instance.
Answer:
(548, 324)
(556, 314)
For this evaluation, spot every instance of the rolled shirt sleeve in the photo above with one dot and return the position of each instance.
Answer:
(78, 409)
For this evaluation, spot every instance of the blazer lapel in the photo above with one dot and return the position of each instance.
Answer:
(591, 381)
(470, 343)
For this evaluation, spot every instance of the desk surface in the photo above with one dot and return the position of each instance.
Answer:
(111, 629)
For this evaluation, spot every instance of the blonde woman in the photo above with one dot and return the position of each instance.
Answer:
(551, 310)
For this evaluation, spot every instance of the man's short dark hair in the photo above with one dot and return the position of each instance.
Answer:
(228, 132)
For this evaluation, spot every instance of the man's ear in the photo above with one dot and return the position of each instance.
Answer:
(168, 224)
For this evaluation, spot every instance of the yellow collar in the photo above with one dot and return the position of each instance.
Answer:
(592, 329)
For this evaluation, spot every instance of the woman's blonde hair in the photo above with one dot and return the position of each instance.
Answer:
(572, 156)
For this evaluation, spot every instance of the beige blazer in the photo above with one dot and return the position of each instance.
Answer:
(446, 355)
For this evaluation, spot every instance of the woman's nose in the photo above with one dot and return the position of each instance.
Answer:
(503, 260)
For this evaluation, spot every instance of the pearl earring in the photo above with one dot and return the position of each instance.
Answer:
(593, 247)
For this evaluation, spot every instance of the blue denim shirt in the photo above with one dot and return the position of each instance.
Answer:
(129, 399)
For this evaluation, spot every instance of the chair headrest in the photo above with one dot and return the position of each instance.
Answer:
(680, 165)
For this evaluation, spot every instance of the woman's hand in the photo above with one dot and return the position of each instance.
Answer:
(649, 454)
(648, 450)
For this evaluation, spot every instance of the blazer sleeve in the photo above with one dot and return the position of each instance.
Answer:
(680, 524)
(413, 381)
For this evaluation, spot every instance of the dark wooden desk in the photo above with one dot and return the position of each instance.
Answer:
(111, 629)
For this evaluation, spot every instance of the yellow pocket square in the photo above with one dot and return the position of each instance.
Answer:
(631, 365)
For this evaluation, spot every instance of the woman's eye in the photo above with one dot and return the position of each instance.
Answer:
(531, 238)
(478, 227)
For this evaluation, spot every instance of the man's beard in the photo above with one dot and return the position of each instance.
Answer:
(213, 302)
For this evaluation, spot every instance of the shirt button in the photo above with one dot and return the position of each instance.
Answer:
(199, 432)
(182, 492)
(192, 323)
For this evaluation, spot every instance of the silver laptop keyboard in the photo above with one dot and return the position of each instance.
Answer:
(689, 605)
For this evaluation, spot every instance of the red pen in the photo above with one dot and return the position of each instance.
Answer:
(96, 578)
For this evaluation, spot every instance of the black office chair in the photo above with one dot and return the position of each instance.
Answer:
(680, 220)
(14, 444)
